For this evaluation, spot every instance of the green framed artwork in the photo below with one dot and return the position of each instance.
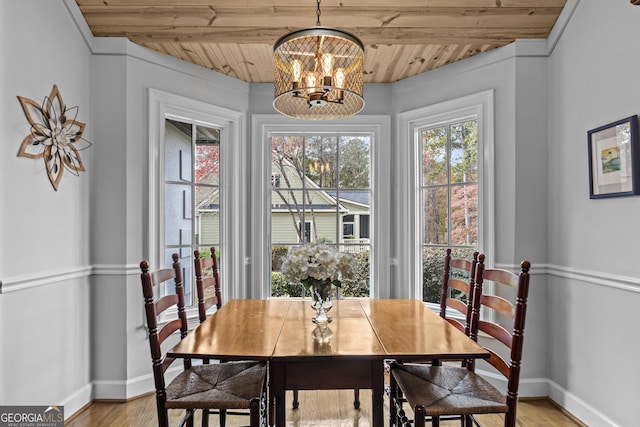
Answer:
(614, 163)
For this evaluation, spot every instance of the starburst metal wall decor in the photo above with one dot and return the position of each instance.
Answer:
(56, 136)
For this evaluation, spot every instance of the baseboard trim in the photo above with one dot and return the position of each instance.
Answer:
(77, 401)
(124, 390)
(567, 413)
(578, 408)
(534, 388)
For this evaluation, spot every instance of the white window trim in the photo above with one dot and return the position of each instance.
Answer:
(163, 105)
(409, 260)
(264, 124)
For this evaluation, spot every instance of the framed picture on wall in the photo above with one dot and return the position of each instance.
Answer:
(614, 160)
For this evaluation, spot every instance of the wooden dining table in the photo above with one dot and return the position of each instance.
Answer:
(348, 353)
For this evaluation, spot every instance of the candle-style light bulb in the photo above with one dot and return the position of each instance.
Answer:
(296, 70)
(327, 64)
(311, 80)
(339, 78)
(296, 75)
(327, 68)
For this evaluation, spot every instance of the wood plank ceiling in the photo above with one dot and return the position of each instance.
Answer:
(402, 38)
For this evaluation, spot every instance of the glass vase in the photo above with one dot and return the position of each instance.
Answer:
(321, 302)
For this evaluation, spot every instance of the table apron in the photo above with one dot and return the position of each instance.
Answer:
(326, 374)
(330, 374)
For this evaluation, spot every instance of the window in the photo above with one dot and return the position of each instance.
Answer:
(304, 236)
(272, 236)
(348, 226)
(364, 226)
(192, 196)
(323, 178)
(449, 196)
(447, 164)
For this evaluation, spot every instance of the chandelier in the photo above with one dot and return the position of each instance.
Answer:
(318, 73)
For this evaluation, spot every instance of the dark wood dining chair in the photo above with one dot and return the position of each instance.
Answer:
(458, 281)
(209, 295)
(456, 300)
(233, 385)
(438, 391)
(207, 282)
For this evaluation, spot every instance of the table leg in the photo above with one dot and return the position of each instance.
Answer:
(278, 394)
(377, 393)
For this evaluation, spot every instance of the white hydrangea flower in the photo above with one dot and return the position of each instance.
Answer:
(317, 262)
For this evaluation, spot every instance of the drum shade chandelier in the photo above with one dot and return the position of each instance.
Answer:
(318, 73)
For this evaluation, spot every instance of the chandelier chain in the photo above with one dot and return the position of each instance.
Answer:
(318, 14)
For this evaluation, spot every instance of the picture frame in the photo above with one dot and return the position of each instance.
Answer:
(614, 159)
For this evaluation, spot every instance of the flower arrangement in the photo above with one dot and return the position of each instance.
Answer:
(317, 263)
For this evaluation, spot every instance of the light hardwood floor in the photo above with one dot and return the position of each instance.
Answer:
(317, 409)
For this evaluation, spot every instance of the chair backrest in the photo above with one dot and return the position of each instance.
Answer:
(505, 283)
(152, 282)
(463, 283)
(207, 282)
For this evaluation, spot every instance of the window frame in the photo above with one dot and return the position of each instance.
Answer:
(162, 106)
(352, 223)
(410, 123)
(265, 124)
(307, 233)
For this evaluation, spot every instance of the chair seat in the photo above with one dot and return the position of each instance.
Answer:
(229, 385)
(448, 390)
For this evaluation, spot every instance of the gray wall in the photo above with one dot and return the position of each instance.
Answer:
(125, 73)
(547, 95)
(44, 249)
(517, 75)
(594, 273)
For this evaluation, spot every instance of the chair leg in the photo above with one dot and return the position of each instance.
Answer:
(189, 418)
(272, 409)
(419, 415)
(163, 418)
(223, 417)
(254, 412)
(205, 418)
(510, 417)
(392, 411)
(296, 402)
(163, 415)
(356, 398)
